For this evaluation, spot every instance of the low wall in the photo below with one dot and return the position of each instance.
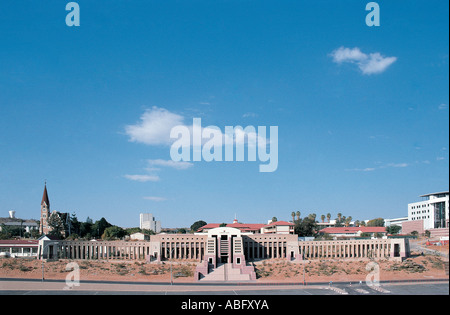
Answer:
(410, 226)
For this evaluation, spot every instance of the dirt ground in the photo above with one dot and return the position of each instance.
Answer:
(416, 267)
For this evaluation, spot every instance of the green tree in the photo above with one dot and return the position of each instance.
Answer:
(328, 217)
(132, 230)
(56, 224)
(293, 216)
(113, 232)
(393, 229)
(148, 232)
(298, 215)
(196, 225)
(74, 224)
(323, 218)
(306, 227)
(85, 229)
(348, 220)
(99, 227)
(376, 222)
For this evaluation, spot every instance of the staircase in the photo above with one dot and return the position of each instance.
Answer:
(225, 272)
(223, 247)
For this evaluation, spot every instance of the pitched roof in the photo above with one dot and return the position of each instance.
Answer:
(279, 223)
(240, 226)
(45, 197)
(354, 229)
(19, 242)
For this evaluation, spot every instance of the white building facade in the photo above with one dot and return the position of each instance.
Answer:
(433, 210)
(148, 222)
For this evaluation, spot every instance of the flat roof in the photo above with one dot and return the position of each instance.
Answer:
(437, 193)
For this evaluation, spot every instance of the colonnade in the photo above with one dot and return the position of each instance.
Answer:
(379, 248)
(182, 250)
(254, 247)
(103, 250)
(265, 250)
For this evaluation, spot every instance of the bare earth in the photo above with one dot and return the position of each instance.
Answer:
(418, 267)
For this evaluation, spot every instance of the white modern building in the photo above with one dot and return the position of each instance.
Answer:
(148, 222)
(433, 210)
(396, 221)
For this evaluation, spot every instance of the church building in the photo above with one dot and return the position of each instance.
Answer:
(52, 220)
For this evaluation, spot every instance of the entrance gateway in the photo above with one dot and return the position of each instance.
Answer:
(224, 246)
(225, 250)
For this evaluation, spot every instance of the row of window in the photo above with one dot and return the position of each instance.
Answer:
(420, 206)
(423, 211)
(420, 218)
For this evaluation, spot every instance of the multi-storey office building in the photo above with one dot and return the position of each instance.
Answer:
(432, 210)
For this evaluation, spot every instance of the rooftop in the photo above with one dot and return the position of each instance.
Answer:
(354, 229)
(436, 193)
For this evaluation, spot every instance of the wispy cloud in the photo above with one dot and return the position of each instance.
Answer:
(442, 106)
(395, 165)
(181, 165)
(367, 169)
(250, 114)
(371, 169)
(372, 63)
(143, 178)
(154, 198)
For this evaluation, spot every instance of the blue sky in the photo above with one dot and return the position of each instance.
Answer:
(362, 112)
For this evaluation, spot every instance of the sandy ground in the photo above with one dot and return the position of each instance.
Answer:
(417, 267)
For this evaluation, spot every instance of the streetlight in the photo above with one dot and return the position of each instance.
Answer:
(43, 250)
(303, 258)
(171, 276)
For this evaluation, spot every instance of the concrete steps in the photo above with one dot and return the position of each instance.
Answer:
(225, 272)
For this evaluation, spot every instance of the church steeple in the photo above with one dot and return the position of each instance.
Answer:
(45, 212)
(45, 197)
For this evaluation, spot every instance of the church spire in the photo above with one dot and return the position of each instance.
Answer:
(45, 197)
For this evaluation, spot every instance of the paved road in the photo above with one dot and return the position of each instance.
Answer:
(19, 287)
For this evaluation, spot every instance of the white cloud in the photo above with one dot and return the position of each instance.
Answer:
(371, 169)
(367, 169)
(249, 114)
(154, 198)
(442, 106)
(154, 127)
(397, 165)
(181, 165)
(368, 63)
(156, 123)
(143, 178)
(343, 54)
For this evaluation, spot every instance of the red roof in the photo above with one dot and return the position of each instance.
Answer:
(245, 227)
(240, 226)
(19, 242)
(283, 223)
(354, 229)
